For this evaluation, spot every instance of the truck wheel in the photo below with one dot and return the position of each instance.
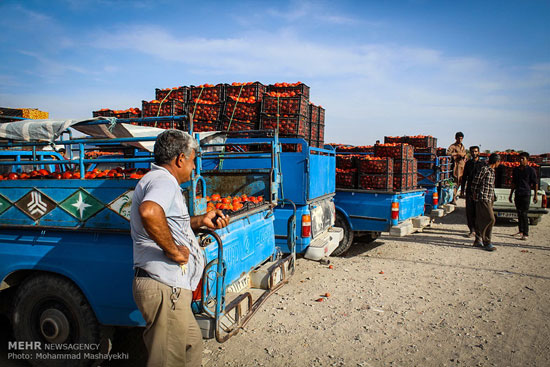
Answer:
(52, 310)
(347, 240)
(534, 221)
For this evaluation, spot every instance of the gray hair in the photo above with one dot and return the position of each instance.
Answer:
(171, 143)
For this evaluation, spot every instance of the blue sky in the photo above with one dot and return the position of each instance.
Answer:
(378, 67)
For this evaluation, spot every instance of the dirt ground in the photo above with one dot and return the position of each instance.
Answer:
(428, 299)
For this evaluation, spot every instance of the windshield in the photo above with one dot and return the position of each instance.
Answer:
(545, 172)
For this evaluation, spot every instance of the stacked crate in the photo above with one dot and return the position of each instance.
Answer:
(206, 106)
(242, 106)
(286, 112)
(404, 166)
(316, 136)
(376, 173)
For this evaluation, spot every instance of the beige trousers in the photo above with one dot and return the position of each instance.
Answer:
(172, 335)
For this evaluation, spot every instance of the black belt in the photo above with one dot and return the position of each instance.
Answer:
(140, 273)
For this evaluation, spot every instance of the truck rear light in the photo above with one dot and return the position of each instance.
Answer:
(395, 211)
(306, 225)
(435, 199)
(544, 201)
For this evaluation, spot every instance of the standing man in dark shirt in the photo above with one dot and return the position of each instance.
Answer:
(524, 178)
(483, 188)
(473, 166)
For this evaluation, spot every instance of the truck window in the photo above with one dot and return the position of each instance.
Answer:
(545, 172)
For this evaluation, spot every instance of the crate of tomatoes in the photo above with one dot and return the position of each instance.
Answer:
(237, 125)
(375, 181)
(252, 90)
(346, 178)
(243, 108)
(421, 141)
(394, 150)
(295, 126)
(179, 93)
(394, 139)
(167, 108)
(294, 89)
(207, 92)
(405, 166)
(345, 161)
(369, 164)
(404, 181)
(273, 105)
(104, 112)
(204, 110)
(200, 126)
(130, 113)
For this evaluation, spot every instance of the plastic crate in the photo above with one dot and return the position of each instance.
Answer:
(167, 108)
(104, 112)
(313, 113)
(237, 125)
(366, 164)
(243, 111)
(179, 93)
(199, 126)
(404, 166)
(245, 90)
(296, 126)
(321, 115)
(363, 149)
(421, 141)
(404, 181)
(372, 181)
(346, 179)
(345, 161)
(285, 106)
(322, 132)
(298, 88)
(180, 125)
(394, 139)
(205, 111)
(127, 114)
(395, 151)
(207, 93)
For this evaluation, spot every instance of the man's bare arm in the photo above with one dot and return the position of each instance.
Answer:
(154, 222)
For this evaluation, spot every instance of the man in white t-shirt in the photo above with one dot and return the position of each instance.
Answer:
(168, 260)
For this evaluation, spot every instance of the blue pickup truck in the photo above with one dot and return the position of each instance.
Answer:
(306, 192)
(66, 251)
(366, 213)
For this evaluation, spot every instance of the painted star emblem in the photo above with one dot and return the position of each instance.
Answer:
(80, 205)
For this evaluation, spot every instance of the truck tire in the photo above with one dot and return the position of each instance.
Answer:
(52, 310)
(534, 221)
(347, 239)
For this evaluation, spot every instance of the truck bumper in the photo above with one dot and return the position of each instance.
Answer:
(325, 244)
(410, 226)
(512, 213)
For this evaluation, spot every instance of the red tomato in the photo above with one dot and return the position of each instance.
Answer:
(67, 175)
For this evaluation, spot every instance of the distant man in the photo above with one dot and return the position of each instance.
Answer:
(457, 151)
(483, 189)
(472, 167)
(524, 178)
